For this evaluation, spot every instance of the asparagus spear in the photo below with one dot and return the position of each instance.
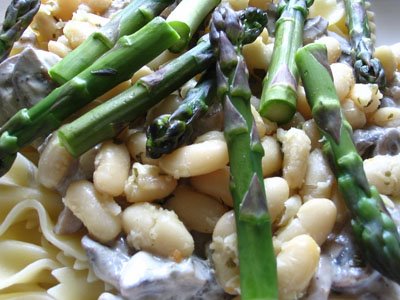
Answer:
(133, 17)
(279, 95)
(258, 278)
(117, 65)
(372, 224)
(18, 16)
(107, 120)
(168, 132)
(367, 68)
(187, 17)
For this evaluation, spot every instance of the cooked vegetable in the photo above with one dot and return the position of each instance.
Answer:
(170, 131)
(367, 68)
(18, 16)
(106, 120)
(133, 17)
(258, 277)
(372, 224)
(117, 65)
(279, 95)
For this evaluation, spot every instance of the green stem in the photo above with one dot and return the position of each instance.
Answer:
(106, 120)
(279, 95)
(258, 275)
(372, 224)
(117, 65)
(133, 17)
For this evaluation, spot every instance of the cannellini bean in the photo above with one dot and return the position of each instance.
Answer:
(215, 184)
(353, 114)
(272, 159)
(383, 171)
(388, 60)
(312, 131)
(296, 264)
(209, 153)
(343, 79)
(197, 211)
(98, 212)
(157, 230)
(77, 32)
(98, 6)
(261, 127)
(147, 184)
(386, 117)
(225, 254)
(55, 164)
(302, 104)
(292, 206)
(319, 178)
(332, 46)
(296, 148)
(112, 168)
(277, 192)
(316, 218)
(366, 96)
(136, 144)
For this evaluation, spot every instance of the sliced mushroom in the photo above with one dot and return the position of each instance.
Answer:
(67, 223)
(314, 28)
(24, 80)
(377, 141)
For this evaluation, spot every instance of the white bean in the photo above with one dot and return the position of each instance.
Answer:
(55, 164)
(215, 184)
(98, 212)
(197, 211)
(277, 192)
(136, 144)
(202, 157)
(296, 264)
(272, 159)
(147, 184)
(332, 46)
(296, 148)
(157, 230)
(316, 218)
(312, 131)
(112, 168)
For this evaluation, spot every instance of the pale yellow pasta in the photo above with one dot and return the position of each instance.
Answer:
(157, 230)
(332, 46)
(296, 148)
(302, 104)
(98, 6)
(215, 184)
(90, 206)
(315, 217)
(77, 32)
(366, 96)
(63, 9)
(258, 54)
(383, 171)
(353, 114)
(59, 47)
(386, 117)
(262, 4)
(319, 178)
(112, 164)
(239, 4)
(396, 50)
(143, 71)
(277, 192)
(388, 60)
(202, 157)
(55, 164)
(271, 162)
(197, 211)
(45, 26)
(343, 79)
(296, 264)
(147, 184)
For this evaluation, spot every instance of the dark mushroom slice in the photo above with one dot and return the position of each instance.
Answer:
(314, 28)
(67, 222)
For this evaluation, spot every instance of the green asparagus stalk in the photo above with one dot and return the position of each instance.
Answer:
(372, 224)
(133, 17)
(258, 275)
(279, 95)
(106, 120)
(170, 131)
(117, 65)
(187, 17)
(18, 16)
(367, 68)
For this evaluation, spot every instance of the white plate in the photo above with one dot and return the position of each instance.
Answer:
(387, 19)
